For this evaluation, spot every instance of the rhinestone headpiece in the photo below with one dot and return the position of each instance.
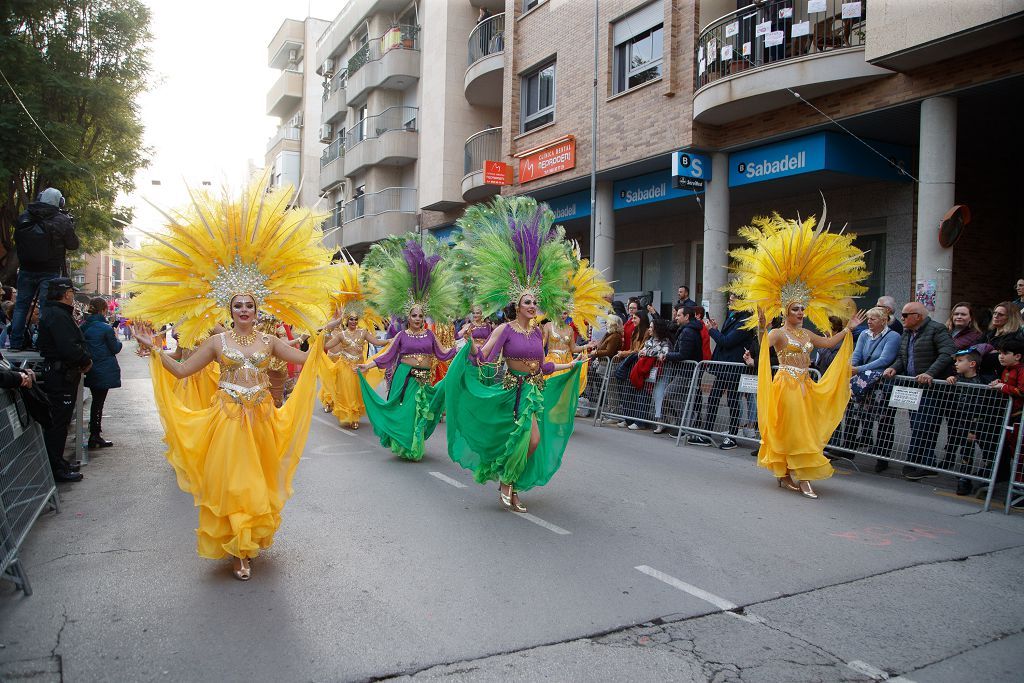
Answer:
(517, 288)
(239, 278)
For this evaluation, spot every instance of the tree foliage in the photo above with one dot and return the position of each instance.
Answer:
(78, 67)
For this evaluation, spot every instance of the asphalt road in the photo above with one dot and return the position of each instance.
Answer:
(639, 561)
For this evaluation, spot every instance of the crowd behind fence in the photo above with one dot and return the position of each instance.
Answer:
(954, 429)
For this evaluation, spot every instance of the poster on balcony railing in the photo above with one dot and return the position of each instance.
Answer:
(746, 49)
(851, 10)
(732, 29)
(815, 6)
(701, 67)
(774, 38)
(712, 50)
(726, 53)
(763, 29)
(700, 53)
(801, 28)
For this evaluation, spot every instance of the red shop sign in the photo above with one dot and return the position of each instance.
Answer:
(555, 157)
(497, 173)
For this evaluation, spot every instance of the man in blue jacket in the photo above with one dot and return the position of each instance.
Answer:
(687, 347)
(730, 343)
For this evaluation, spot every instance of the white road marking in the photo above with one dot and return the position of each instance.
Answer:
(547, 525)
(333, 449)
(448, 480)
(333, 423)
(874, 672)
(720, 603)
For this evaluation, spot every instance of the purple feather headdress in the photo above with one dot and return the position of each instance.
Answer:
(421, 267)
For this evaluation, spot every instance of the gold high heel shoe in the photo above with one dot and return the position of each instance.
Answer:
(244, 570)
(516, 505)
(506, 498)
(786, 482)
(806, 491)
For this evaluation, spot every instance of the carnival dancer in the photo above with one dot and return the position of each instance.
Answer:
(198, 390)
(238, 456)
(588, 289)
(414, 282)
(347, 348)
(477, 327)
(515, 432)
(795, 270)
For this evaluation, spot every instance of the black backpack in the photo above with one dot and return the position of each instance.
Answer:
(35, 241)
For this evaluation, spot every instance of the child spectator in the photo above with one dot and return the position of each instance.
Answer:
(1010, 383)
(964, 423)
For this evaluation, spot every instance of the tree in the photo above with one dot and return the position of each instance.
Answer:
(77, 66)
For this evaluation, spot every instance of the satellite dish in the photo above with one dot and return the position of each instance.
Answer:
(951, 227)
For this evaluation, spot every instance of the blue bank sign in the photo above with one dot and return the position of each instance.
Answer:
(818, 152)
(647, 189)
(567, 207)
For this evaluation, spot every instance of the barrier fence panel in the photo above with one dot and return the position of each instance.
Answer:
(590, 399)
(26, 483)
(957, 429)
(1015, 492)
(656, 396)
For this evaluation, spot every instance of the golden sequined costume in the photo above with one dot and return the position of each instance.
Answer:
(339, 392)
(198, 390)
(561, 341)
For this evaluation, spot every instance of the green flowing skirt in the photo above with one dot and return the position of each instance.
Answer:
(403, 424)
(486, 436)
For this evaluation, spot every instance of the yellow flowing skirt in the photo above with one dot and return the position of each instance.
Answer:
(237, 459)
(197, 391)
(566, 357)
(339, 388)
(796, 415)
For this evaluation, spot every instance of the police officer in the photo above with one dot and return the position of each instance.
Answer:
(63, 349)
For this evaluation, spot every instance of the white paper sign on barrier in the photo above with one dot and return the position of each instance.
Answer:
(732, 29)
(746, 49)
(774, 38)
(786, 13)
(763, 28)
(815, 6)
(700, 53)
(802, 28)
(701, 67)
(748, 384)
(906, 397)
(851, 10)
(726, 53)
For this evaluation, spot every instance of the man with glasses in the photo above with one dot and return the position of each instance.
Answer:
(926, 353)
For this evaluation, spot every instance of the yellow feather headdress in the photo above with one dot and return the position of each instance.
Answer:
(791, 261)
(350, 299)
(219, 248)
(588, 289)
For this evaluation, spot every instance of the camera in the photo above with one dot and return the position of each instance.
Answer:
(644, 302)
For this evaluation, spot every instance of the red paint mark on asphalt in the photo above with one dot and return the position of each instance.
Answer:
(882, 536)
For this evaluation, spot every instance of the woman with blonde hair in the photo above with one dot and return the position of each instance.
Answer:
(962, 326)
(1006, 324)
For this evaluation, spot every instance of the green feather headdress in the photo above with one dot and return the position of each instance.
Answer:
(399, 273)
(514, 248)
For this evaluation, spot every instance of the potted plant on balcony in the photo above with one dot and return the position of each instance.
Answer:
(409, 34)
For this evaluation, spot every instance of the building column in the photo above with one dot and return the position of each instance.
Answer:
(936, 195)
(603, 257)
(716, 235)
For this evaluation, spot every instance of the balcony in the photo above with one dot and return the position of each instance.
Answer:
(286, 139)
(290, 36)
(386, 139)
(485, 73)
(335, 104)
(374, 216)
(391, 61)
(285, 95)
(334, 220)
(742, 71)
(332, 165)
(480, 147)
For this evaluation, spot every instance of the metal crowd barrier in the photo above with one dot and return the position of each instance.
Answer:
(958, 429)
(26, 484)
(32, 360)
(1015, 491)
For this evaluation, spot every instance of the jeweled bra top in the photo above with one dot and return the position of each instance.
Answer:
(795, 355)
(241, 376)
(560, 340)
(351, 349)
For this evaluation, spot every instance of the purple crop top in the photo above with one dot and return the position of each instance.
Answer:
(519, 346)
(482, 333)
(405, 344)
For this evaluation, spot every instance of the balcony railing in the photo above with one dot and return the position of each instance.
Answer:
(392, 118)
(334, 221)
(403, 37)
(487, 38)
(333, 151)
(335, 84)
(401, 199)
(774, 32)
(481, 147)
(284, 133)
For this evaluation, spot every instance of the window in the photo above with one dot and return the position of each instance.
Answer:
(639, 47)
(538, 97)
(530, 4)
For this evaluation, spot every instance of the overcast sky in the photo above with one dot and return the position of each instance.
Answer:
(205, 115)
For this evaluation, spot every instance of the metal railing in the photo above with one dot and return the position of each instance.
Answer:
(481, 147)
(392, 118)
(402, 37)
(401, 199)
(962, 430)
(335, 84)
(284, 133)
(333, 151)
(778, 30)
(335, 219)
(487, 38)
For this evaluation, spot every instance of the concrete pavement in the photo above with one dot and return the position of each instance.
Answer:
(640, 561)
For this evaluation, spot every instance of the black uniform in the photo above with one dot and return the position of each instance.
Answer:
(63, 348)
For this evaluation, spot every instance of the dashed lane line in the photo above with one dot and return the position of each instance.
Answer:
(332, 423)
(544, 523)
(448, 480)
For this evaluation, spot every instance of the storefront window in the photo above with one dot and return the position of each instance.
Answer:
(874, 247)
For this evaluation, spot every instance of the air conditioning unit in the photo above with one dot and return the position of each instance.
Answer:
(325, 133)
(328, 68)
(295, 121)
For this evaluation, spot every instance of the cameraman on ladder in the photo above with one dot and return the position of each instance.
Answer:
(43, 235)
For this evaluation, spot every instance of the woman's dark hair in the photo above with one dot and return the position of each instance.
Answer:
(619, 308)
(660, 327)
(509, 312)
(645, 322)
(98, 305)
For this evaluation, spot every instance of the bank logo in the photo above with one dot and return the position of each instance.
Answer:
(765, 167)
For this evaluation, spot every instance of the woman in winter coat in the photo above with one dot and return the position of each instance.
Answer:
(103, 345)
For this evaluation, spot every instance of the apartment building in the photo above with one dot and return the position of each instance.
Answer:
(895, 112)
(295, 99)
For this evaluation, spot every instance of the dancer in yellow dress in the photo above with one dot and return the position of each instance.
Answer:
(236, 457)
(589, 291)
(795, 270)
